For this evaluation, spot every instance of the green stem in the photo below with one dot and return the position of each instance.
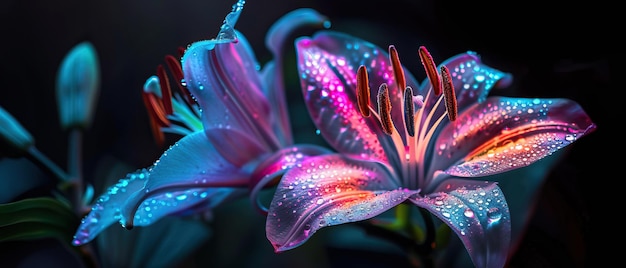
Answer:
(74, 167)
(43, 162)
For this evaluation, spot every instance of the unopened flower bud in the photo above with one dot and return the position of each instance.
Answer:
(78, 86)
(15, 136)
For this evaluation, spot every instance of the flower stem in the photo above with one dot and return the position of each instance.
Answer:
(43, 162)
(74, 167)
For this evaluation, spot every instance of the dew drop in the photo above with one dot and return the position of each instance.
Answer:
(494, 215)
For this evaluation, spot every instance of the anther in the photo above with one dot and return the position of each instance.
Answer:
(448, 93)
(177, 71)
(409, 111)
(398, 72)
(166, 90)
(384, 109)
(431, 69)
(363, 91)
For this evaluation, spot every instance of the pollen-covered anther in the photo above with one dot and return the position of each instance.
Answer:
(166, 90)
(409, 111)
(363, 91)
(448, 93)
(177, 71)
(398, 72)
(384, 109)
(431, 69)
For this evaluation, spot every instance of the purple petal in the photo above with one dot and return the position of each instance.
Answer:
(236, 147)
(106, 210)
(328, 190)
(508, 133)
(224, 79)
(272, 74)
(327, 66)
(472, 82)
(277, 164)
(478, 213)
(193, 162)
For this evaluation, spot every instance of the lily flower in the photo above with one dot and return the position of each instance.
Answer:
(243, 140)
(428, 144)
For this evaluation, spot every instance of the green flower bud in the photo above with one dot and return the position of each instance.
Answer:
(15, 136)
(78, 86)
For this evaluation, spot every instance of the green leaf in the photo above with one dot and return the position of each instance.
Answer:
(442, 238)
(37, 218)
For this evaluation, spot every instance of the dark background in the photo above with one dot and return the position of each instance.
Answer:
(564, 50)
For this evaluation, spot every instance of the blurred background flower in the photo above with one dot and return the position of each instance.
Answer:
(563, 55)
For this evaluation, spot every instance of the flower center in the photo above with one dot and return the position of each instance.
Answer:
(175, 113)
(418, 127)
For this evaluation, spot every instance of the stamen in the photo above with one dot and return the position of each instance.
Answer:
(448, 93)
(431, 69)
(398, 72)
(384, 109)
(409, 111)
(166, 90)
(363, 91)
(177, 71)
(181, 51)
(157, 116)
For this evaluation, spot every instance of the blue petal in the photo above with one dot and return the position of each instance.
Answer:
(479, 215)
(225, 80)
(106, 210)
(193, 162)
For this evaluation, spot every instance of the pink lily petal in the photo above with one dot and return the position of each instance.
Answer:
(328, 84)
(276, 164)
(502, 134)
(329, 190)
(193, 162)
(478, 213)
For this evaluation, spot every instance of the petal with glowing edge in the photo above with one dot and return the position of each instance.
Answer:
(328, 82)
(225, 80)
(471, 78)
(106, 210)
(272, 73)
(501, 134)
(479, 215)
(277, 164)
(192, 162)
(329, 190)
